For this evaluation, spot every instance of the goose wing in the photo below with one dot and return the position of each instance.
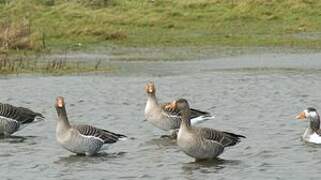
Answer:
(173, 112)
(104, 135)
(20, 114)
(197, 113)
(222, 137)
(8, 125)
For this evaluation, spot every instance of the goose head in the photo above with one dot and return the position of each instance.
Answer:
(150, 88)
(60, 107)
(309, 113)
(60, 102)
(312, 115)
(182, 107)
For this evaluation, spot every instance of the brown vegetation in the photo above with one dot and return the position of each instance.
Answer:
(15, 35)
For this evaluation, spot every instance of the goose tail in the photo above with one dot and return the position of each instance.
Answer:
(39, 118)
(122, 137)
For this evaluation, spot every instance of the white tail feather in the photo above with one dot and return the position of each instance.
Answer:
(201, 119)
(123, 139)
(37, 119)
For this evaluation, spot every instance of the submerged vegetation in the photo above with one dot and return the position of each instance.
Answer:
(46, 25)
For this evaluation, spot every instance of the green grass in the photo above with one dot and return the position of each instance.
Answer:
(60, 24)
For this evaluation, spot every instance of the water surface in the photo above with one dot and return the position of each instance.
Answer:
(254, 95)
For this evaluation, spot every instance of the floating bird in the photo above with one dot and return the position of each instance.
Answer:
(312, 133)
(199, 142)
(14, 118)
(165, 118)
(81, 139)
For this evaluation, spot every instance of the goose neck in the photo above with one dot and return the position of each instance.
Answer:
(62, 117)
(314, 123)
(186, 122)
(152, 99)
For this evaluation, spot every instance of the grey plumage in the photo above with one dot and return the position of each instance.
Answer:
(225, 138)
(20, 114)
(166, 117)
(81, 139)
(8, 126)
(12, 118)
(106, 136)
(197, 113)
(202, 143)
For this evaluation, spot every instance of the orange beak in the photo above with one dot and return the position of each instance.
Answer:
(301, 116)
(171, 106)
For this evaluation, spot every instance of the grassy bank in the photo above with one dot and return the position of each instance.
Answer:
(28, 26)
(170, 23)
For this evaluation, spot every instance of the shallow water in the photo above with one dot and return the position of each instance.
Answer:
(256, 95)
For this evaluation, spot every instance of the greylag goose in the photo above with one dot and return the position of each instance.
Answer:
(201, 143)
(312, 133)
(167, 118)
(81, 139)
(14, 118)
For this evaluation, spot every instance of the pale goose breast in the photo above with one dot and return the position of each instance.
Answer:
(314, 138)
